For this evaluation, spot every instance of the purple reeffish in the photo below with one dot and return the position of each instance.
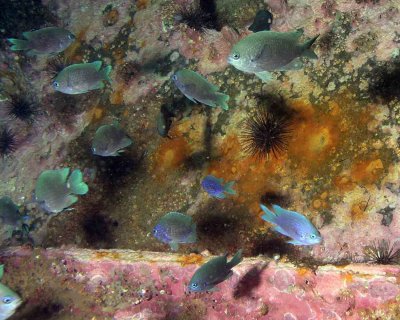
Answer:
(215, 187)
(293, 225)
(175, 228)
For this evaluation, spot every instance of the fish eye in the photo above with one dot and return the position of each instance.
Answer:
(312, 236)
(56, 84)
(71, 36)
(174, 77)
(236, 56)
(7, 300)
(194, 285)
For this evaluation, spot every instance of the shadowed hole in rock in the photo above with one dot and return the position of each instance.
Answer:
(98, 230)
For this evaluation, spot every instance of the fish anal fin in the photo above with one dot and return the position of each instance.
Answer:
(174, 246)
(295, 242)
(265, 76)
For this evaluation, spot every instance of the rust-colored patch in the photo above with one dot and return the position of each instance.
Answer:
(117, 96)
(347, 277)
(171, 154)
(96, 114)
(107, 254)
(190, 259)
(72, 52)
(316, 136)
(358, 210)
(367, 172)
(303, 272)
(142, 4)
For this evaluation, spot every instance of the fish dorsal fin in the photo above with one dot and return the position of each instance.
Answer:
(289, 214)
(97, 65)
(27, 34)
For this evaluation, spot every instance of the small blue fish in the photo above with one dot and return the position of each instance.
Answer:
(215, 187)
(293, 225)
(175, 228)
(213, 272)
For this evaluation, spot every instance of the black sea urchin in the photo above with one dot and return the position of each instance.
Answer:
(22, 108)
(265, 133)
(8, 142)
(381, 252)
(200, 17)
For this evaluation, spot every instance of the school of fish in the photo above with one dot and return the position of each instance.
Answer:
(259, 53)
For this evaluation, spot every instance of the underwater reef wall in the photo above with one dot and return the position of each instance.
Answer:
(340, 166)
(121, 285)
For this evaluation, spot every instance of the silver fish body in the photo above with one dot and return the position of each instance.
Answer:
(213, 272)
(197, 89)
(266, 51)
(81, 78)
(110, 140)
(44, 41)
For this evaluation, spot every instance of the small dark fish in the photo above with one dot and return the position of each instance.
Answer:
(197, 89)
(44, 41)
(56, 189)
(215, 187)
(81, 78)
(293, 225)
(175, 228)
(213, 272)
(109, 141)
(164, 121)
(266, 51)
(9, 212)
(262, 21)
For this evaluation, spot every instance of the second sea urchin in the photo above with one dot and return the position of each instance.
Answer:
(381, 252)
(22, 108)
(265, 133)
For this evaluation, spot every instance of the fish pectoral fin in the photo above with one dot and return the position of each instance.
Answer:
(265, 76)
(295, 242)
(213, 289)
(295, 64)
(174, 246)
(280, 230)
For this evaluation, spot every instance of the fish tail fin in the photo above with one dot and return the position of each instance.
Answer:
(106, 73)
(18, 44)
(76, 184)
(268, 216)
(228, 187)
(237, 258)
(308, 52)
(222, 100)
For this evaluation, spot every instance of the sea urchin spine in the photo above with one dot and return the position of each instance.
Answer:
(265, 133)
(8, 142)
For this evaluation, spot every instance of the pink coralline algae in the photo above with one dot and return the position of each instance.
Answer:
(144, 285)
